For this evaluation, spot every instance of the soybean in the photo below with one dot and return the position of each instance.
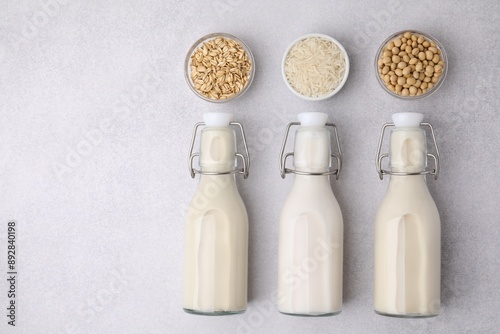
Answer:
(410, 64)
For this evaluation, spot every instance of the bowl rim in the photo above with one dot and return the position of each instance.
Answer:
(444, 57)
(342, 82)
(194, 47)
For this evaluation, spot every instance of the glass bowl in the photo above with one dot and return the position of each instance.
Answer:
(196, 45)
(436, 85)
(329, 94)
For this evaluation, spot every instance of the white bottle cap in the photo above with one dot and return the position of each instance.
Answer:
(407, 118)
(312, 118)
(217, 118)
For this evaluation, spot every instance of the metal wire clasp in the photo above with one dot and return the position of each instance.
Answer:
(380, 157)
(283, 156)
(245, 158)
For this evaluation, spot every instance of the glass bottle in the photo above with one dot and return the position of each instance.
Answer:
(407, 225)
(311, 225)
(216, 227)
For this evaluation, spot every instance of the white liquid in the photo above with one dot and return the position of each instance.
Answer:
(216, 233)
(407, 235)
(311, 234)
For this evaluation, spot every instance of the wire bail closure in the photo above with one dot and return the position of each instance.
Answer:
(283, 156)
(380, 157)
(245, 158)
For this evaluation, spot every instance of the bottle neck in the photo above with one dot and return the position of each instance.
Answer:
(408, 150)
(312, 149)
(218, 149)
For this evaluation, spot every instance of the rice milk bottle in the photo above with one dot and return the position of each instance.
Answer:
(311, 225)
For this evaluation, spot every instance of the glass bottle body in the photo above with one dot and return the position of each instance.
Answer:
(310, 249)
(216, 248)
(407, 250)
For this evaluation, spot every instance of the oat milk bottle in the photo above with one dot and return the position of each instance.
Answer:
(216, 228)
(407, 226)
(311, 225)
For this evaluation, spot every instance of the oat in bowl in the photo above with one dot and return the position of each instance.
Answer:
(219, 67)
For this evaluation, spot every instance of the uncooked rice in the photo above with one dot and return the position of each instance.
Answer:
(315, 66)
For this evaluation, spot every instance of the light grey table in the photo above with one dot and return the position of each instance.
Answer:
(96, 120)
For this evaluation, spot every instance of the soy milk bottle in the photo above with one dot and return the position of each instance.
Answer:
(216, 226)
(311, 225)
(407, 226)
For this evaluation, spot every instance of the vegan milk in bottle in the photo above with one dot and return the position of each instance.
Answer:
(407, 227)
(311, 225)
(216, 227)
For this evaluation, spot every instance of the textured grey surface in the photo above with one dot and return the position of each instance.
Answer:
(100, 247)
